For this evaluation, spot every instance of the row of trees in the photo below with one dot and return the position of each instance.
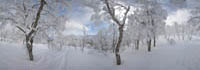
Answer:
(39, 20)
(130, 23)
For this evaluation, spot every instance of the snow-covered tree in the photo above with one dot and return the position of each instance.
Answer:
(111, 9)
(30, 17)
(150, 17)
(195, 17)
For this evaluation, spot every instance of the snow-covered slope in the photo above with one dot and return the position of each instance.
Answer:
(184, 55)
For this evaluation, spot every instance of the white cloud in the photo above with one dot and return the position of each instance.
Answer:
(180, 16)
(79, 18)
(75, 28)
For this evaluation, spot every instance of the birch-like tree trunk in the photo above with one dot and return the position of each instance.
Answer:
(31, 34)
(111, 12)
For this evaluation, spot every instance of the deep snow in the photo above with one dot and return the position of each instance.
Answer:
(182, 55)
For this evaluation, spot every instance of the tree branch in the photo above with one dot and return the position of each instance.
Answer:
(24, 7)
(11, 19)
(196, 17)
(42, 3)
(125, 15)
(112, 14)
(21, 29)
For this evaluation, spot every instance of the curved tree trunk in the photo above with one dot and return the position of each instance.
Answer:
(111, 11)
(31, 34)
(117, 54)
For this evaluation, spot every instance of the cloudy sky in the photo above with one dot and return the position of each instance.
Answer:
(80, 21)
(79, 17)
(181, 16)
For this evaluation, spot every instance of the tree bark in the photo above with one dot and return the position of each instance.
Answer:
(29, 45)
(111, 11)
(118, 58)
(154, 41)
(149, 45)
(137, 44)
(31, 34)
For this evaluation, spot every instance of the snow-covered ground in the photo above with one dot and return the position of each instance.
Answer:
(182, 55)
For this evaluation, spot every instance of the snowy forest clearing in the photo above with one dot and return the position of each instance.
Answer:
(183, 55)
(99, 34)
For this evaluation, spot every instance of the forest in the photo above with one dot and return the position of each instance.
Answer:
(99, 34)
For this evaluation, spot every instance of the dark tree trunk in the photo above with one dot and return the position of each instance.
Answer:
(149, 45)
(31, 34)
(29, 45)
(118, 58)
(137, 44)
(154, 41)
(120, 25)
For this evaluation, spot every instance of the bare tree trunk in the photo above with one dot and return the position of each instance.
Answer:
(137, 44)
(111, 11)
(29, 45)
(149, 45)
(31, 34)
(118, 58)
(154, 41)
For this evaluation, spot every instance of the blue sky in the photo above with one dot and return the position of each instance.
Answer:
(79, 17)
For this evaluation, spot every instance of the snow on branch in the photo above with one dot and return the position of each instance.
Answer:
(125, 15)
(20, 28)
(111, 12)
